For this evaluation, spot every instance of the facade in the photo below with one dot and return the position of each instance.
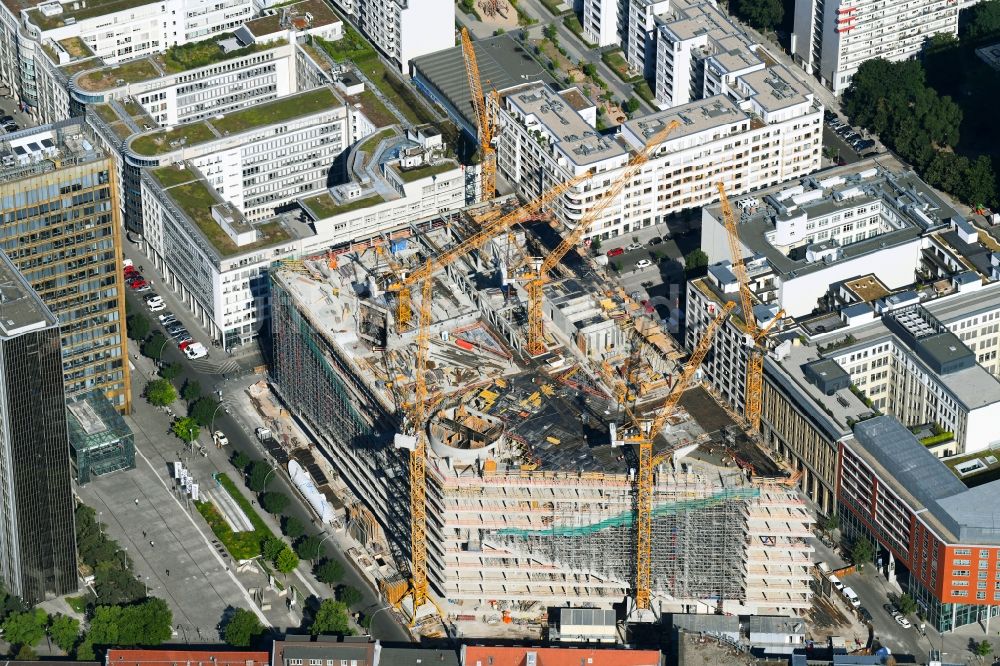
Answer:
(404, 29)
(772, 134)
(221, 657)
(37, 539)
(831, 39)
(100, 441)
(141, 29)
(61, 229)
(934, 536)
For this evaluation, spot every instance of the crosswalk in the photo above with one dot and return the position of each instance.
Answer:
(211, 366)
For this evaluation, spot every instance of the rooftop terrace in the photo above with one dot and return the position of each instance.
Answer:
(280, 110)
(85, 10)
(295, 15)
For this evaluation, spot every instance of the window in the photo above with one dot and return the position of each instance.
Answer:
(960, 572)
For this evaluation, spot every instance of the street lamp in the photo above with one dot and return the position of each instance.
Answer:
(124, 554)
(371, 619)
(212, 426)
(267, 476)
(159, 352)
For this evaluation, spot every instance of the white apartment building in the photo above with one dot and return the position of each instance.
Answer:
(139, 29)
(771, 134)
(600, 22)
(831, 38)
(404, 29)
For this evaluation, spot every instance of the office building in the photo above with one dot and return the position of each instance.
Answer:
(546, 137)
(934, 536)
(61, 228)
(831, 39)
(115, 33)
(37, 537)
(404, 29)
(100, 441)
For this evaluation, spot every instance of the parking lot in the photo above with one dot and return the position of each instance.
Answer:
(846, 143)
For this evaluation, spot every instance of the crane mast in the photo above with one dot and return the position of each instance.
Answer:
(488, 168)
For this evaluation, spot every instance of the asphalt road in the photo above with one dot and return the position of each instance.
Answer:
(214, 374)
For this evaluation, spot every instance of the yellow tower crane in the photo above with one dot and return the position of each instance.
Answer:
(490, 230)
(488, 171)
(646, 432)
(755, 334)
(537, 280)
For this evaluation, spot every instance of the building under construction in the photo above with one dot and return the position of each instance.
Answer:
(530, 505)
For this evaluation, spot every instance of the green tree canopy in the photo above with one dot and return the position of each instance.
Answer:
(203, 410)
(331, 618)
(25, 628)
(148, 623)
(64, 631)
(695, 260)
(286, 561)
(274, 502)
(186, 429)
(350, 596)
(154, 345)
(160, 392)
(137, 326)
(292, 527)
(862, 552)
(258, 475)
(329, 571)
(191, 390)
(981, 21)
(243, 627)
(906, 604)
(984, 649)
(308, 548)
(240, 460)
(171, 371)
(272, 547)
(761, 14)
(116, 584)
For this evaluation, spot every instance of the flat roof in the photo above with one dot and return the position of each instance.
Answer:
(775, 88)
(502, 61)
(21, 309)
(694, 117)
(294, 16)
(83, 11)
(283, 109)
(571, 135)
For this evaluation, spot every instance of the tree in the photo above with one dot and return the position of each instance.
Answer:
(258, 475)
(274, 502)
(272, 547)
(240, 460)
(549, 32)
(191, 390)
(696, 259)
(980, 21)
(137, 326)
(25, 628)
(160, 392)
(292, 527)
(906, 604)
(171, 371)
(331, 618)
(25, 653)
(329, 571)
(203, 410)
(64, 631)
(761, 14)
(85, 650)
(308, 548)
(862, 552)
(631, 105)
(186, 429)
(350, 596)
(243, 627)
(114, 583)
(589, 69)
(983, 649)
(287, 561)
(153, 347)
(830, 523)
(595, 242)
(148, 623)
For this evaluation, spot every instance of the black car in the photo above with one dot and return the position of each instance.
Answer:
(6, 119)
(655, 240)
(864, 614)
(10, 128)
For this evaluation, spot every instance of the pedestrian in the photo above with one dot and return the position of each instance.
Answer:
(151, 544)
(168, 572)
(144, 534)
(137, 501)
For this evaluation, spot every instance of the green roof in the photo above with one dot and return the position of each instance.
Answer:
(277, 111)
(90, 10)
(426, 171)
(106, 78)
(325, 206)
(196, 199)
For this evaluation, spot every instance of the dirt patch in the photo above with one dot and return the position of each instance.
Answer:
(703, 408)
(497, 14)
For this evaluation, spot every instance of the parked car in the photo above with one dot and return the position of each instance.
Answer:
(167, 318)
(903, 622)
(156, 307)
(864, 614)
(195, 350)
(891, 609)
(6, 119)
(220, 439)
(138, 284)
(643, 263)
(837, 585)
(655, 240)
(633, 246)
(174, 327)
(10, 128)
(851, 596)
(615, 251)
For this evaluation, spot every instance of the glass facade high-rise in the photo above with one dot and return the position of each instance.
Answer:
(37, 535)
(59, 224)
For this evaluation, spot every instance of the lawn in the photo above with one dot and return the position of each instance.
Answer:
(241, 545)
(324, 206)
(78, 66)
(573, 23)
(169, 176)
(553, 6)
(129, 72)
(158, 143)
(426, 171)
(78, 604)
(277, 111)
(643, 90)
(616, 61)
(87, 10)
(371, 143)
(373, 108)
(105, 111)
(76, 47)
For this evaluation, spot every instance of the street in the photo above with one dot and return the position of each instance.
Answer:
(232, 376)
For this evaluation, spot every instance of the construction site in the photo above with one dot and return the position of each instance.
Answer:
(531, 479)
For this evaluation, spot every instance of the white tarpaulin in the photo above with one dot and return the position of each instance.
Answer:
(304, 483)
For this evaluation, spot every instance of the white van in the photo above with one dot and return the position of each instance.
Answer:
(851, 597)
(837, 585)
